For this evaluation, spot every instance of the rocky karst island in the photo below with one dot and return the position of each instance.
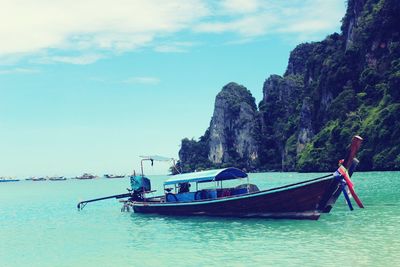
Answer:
(349, 82)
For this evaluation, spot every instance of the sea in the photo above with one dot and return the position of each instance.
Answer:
(40, 225)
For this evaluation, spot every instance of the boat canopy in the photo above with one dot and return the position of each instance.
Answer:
(207, 176)
(157, 158)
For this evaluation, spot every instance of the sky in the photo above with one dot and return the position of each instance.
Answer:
(89, 86)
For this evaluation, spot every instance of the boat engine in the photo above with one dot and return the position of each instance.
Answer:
(139, 185)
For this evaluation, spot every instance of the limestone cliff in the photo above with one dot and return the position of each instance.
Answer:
(279, 111)
(230, 139)
(346, 84)
(232, 127)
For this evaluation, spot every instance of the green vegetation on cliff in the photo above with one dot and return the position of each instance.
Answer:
(362, 76)
(347, 84)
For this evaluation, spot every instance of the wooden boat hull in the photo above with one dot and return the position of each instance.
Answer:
(298, 201)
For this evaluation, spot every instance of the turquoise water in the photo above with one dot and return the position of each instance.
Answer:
(40, 226)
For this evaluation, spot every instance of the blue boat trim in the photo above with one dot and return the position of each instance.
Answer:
(207, 176)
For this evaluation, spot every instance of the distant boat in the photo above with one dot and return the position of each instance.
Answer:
(86, 176)
(38, 179)
(114, 176)
(57, 178)
(4, 180)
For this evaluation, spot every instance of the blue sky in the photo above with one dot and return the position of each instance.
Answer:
(88, 86)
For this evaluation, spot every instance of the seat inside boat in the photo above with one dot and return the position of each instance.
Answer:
(182, 185)
(249, 188)
(205, 194)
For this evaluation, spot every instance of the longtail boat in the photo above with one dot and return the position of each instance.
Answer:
(38, 179)
(112, 176)
(57, 178)
(86, 176)
(303, 200)
(5, 180)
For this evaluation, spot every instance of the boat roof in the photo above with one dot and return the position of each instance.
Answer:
(207, 176)
(157, 158)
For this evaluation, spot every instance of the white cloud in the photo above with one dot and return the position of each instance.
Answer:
(147, 80)
(76, 60)
(174, 47)
(31, 26)
(9, 60)
(254, 25)
(299, 17)
(240, 6)
(18, 70)
(94, 29)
